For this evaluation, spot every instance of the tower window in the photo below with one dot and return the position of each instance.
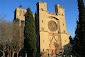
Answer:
(42, 21)
(43, 50)
(64, 31)
(43, 41)
(65, 40)
(62, 14)
(23, 11)
(42, 9)
(63, 24)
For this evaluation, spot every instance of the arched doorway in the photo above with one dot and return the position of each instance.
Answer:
(53, 48)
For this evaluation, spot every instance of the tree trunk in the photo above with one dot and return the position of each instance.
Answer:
(25, 54)
(8, 55)
(3, 54)
(12, 54)
(17, 54)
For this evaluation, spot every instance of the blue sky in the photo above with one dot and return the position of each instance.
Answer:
(7, 7)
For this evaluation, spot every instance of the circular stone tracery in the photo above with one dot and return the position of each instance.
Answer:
(52, 26)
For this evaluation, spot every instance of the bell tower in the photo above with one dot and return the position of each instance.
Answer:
(41, 6)
(59, 10)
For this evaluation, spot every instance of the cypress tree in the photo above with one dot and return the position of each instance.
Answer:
(81, 27)
(70, 38)
(79, 39)
(76, 42)
(29, 34)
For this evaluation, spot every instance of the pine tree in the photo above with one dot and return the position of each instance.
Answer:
(29, 34)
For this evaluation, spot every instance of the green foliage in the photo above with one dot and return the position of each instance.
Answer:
(71, 41)
(29, 34)
(79, 40)
(76, 42)
(81, 20)
(37, 33)
(81, 8)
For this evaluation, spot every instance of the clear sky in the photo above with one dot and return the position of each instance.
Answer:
(7, 7)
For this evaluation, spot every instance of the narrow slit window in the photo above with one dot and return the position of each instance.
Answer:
(63, 24)
(42, 21)
(43, 50)
(43, 41)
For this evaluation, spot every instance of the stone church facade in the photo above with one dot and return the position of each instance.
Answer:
(50, 28)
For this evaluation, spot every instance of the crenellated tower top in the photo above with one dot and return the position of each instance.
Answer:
(59, 10)
(42, 6)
